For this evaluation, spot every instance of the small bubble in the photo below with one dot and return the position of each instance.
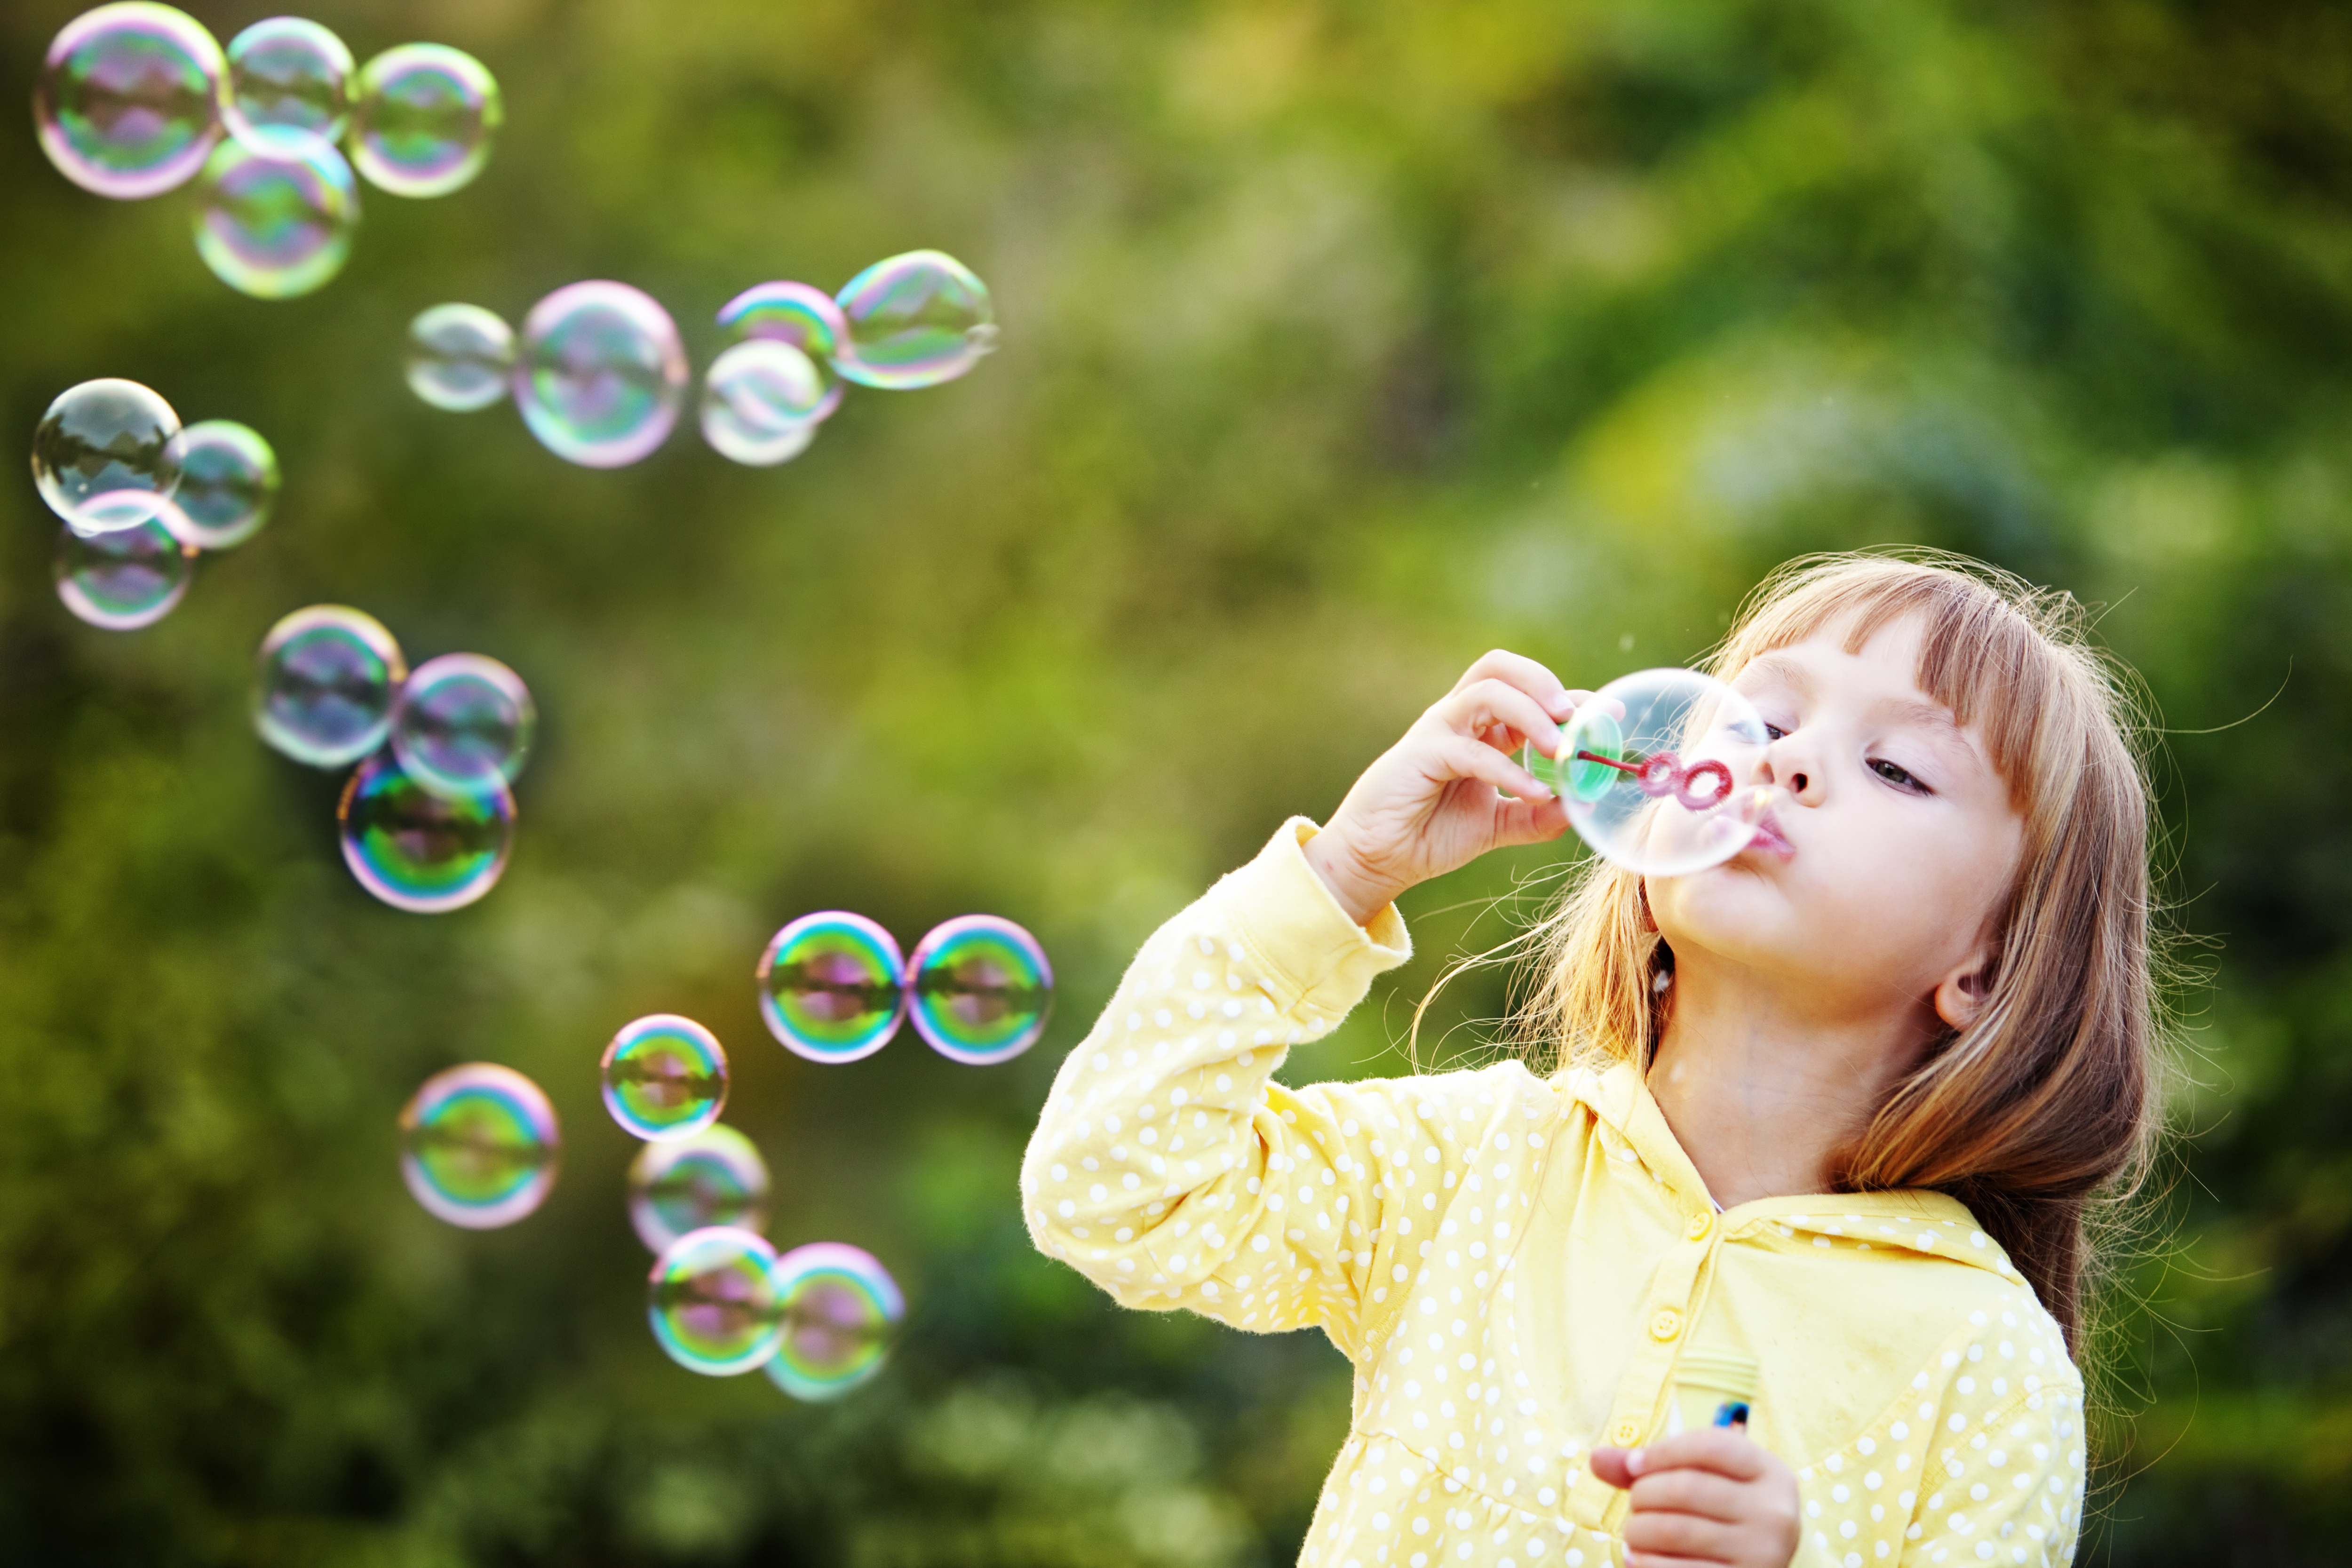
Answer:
(419, 851)
(460, 357)
(127, 104)
(664, 1078)
(914, 321)
(105, 455)
(832, 986)
(478, 1146)
(125, 578)
(423, 119)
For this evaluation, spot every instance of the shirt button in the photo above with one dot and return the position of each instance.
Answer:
(1626, 1434)
(1667, 1324)
(1700, 1224)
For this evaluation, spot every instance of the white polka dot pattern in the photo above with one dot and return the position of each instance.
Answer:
(1422, 1222)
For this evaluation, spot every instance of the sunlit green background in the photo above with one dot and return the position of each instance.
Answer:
(1340, 342)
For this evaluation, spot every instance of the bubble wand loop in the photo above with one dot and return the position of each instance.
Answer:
(1663, 774)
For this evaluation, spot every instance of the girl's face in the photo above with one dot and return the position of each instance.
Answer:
(1889, 848)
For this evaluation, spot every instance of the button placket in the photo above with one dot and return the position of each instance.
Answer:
(1592, 1502)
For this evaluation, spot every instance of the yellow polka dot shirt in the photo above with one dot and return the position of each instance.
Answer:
(1515, 1265)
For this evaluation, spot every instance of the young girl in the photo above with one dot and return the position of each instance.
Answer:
(1837, 1105)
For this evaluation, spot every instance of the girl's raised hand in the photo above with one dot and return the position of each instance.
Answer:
(1431, 802)
(1702, 1499)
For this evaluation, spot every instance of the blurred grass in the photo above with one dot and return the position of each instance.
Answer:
(1341, 341)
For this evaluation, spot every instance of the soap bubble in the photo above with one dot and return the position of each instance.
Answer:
(228, 482)
(914, 319)
(664, 1078)
(460, 357)
(761, 400)
(419, 851)
(713, 1303)
(462, 725)
(422, 118)
(104, 456)
(275, 213)
(1656, 772)
(601, 374)
(478, 1146)
(127, 100)
(323, 685)
(715, 1177)
(793, 313)
(840, 1309)
(982, 989)
(832, 986)
(125, 578)
(287, 75)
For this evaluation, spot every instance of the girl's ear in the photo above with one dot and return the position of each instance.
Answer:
(1961, 994)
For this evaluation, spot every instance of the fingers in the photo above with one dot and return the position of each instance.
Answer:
(1701, 1493)
(1608, 1465)
(1673, 1535)
(1465, 758)
(1721, 1450)
(1518, 670)
(1486, 707)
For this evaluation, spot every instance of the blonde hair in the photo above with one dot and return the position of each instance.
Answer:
(2048, 1098)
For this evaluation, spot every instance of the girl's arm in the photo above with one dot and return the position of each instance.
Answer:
(1167, 1168)
(2007, 1489)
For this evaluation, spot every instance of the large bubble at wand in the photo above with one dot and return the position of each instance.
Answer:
(1657, 772)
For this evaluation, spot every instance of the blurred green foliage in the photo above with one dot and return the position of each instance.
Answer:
(1341, 341)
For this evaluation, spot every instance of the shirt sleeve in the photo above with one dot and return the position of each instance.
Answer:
(2007, 1485)
(1168, 1168)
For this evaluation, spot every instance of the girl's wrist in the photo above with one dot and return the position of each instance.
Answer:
(1343, 874)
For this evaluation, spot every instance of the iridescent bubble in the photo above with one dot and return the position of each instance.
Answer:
(601, 374)
(460, 357)
(104, 454)
(797, 314)
(127, 100)
(982, 989)
(713, 1303)
(275, 213)
(832, 986)
(914, 319)
(1658, 772)
(287, 75)
(228, 482)
(462, 725)
(419, 851)
(715, 1177)
(841, 1308)
(423, 119)
(760, 402)
(125, 578)
(323, 685)
(664, 1078)
(478, 1145)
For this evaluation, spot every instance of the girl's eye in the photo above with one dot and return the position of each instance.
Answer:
(1895, 774)
(1772, 731)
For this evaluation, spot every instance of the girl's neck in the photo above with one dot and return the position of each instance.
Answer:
(1764, 1084)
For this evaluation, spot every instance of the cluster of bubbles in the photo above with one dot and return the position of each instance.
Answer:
(600, 374)
(427, 817)
(138, 99)
(834, 987)
(139, 496)
(1655, 772)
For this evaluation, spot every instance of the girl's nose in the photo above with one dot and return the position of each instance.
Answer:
(1787, 767)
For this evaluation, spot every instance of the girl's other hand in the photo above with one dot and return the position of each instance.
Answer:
(1432, 801)
(1710, 1497)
